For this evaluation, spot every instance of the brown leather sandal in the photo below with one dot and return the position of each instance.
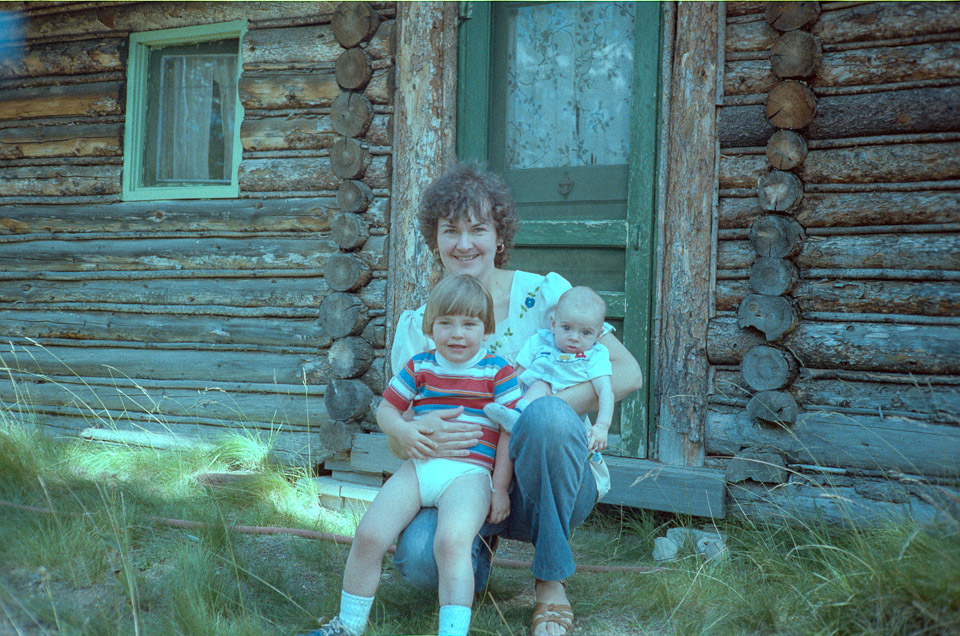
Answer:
(561, 615)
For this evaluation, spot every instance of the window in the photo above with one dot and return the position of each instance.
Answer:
(182, 134)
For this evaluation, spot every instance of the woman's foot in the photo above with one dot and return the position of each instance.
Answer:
(552, 615)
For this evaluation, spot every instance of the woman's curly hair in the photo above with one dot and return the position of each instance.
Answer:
(469, 190)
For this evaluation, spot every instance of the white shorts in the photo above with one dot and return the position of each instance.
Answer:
(436, 474)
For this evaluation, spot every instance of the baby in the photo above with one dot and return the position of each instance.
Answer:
(466, 491)
(566, 354)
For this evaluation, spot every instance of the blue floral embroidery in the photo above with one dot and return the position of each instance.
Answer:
(530, 302)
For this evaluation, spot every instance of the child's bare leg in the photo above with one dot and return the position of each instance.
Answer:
(461, 511)
(391, 510)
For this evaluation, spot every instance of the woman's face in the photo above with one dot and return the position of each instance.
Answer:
(467, 246)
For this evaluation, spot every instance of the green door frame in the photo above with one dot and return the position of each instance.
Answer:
(473, 115)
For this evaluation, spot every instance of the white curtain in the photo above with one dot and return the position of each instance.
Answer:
(197, 104)
(569, 77)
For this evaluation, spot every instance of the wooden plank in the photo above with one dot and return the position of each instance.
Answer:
(166, 254)
(281, 405)
(291, 89)
(424, 142)
(137, 327)
(370, 453)
(651, 485)
(98, 98)
(918, 110)
(304, 133)
(306, 173)
(869, 21)
(900, 348)
(65, 58)
(934, 252)
(860, 164)
(187, 363)
(231, 215)
(918, 298)
(879, 65)
(304, 48)
(799, 502)
(686, 240)
(580, 233)
(841, 440)
(60, 180)
(77, 140)
(107, 20)
(210, 296)
(853, 209)
(913, 397)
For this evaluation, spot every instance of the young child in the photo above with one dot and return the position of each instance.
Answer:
(566, 354)
(466, 491)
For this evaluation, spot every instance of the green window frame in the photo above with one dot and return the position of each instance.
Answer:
(135, 145)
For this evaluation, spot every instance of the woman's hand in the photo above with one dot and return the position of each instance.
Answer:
(430, 436)
(499, 506)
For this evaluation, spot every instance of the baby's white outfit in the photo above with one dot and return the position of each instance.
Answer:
(541, 360)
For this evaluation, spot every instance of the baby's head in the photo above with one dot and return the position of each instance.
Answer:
(458, 315)
(578, 320)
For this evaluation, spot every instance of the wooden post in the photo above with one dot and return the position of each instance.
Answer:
(685, 310)
(426, 63)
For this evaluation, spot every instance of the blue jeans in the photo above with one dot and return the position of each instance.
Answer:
(553, 490)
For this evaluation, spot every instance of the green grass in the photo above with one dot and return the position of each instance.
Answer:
(101, 564)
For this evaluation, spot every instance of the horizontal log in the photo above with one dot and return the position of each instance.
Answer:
(798, 503)
(276, 90)
(128, 18)
(165, 328)
(819, 210)
(65, 58)
(205, 296)
(313, 173)
(60, 180)
(861, 346)
(303, 133)
(286, 405)
(77, 140)
(918, 398)
(100, 98)
(918, 110)
(168, 254)
(907, 298)
(224, 215)
(876, 251)
(172, 364)
(860, 164)
(868, 21)
(879, 65)
(303, 48)
(836, 440)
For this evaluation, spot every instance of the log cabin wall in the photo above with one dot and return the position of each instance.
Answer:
(196, 317)
(834, 341)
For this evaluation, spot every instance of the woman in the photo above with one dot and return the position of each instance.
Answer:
(468, 220)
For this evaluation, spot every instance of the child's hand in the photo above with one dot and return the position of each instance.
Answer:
(499, 506)
(597, 438)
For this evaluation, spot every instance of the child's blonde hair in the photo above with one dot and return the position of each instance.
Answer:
(460, 295)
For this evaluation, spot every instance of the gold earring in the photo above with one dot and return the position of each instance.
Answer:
(500, 249)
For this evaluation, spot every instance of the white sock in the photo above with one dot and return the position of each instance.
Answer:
(354, 612)
(454, 620)
(500, 414)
